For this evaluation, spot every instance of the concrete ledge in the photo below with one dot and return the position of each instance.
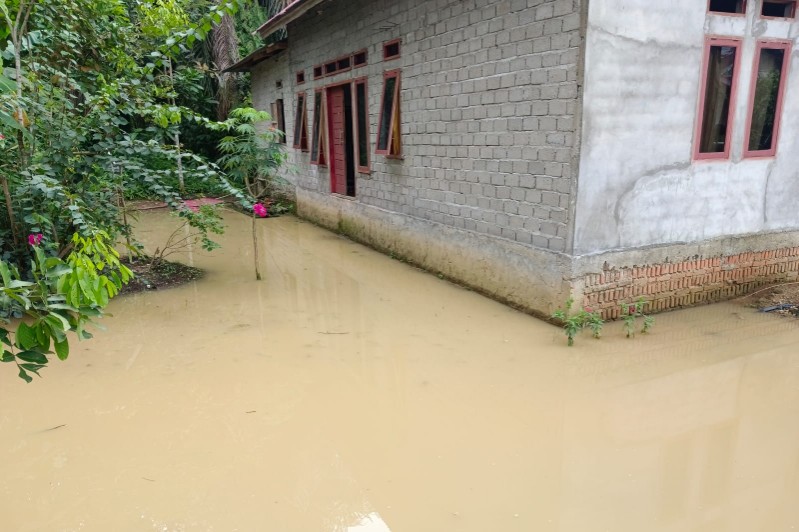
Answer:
(525, 278)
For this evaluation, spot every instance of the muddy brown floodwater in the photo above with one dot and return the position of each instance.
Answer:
(351, 393)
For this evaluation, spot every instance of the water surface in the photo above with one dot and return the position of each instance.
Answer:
(348, 392)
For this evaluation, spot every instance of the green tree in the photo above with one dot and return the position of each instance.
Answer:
(89, 108)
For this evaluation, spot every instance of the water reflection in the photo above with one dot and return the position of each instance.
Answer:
(349, 392)
(370, 523)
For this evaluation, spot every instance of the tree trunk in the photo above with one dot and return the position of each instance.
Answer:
(225, 53)
(10, 208)
(255, 248)
(176, 137)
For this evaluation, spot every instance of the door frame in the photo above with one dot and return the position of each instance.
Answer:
(329, 133)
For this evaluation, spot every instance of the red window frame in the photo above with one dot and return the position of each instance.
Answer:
(368, 168)
(318, 71)
(319, 130)
(395, 117)
(771, 45)
(725, 14)
(300, 77)
(301, 123)
(387, 56)
(792, 3)
(736, 43)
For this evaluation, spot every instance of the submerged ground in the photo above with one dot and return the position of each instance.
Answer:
(351, 393)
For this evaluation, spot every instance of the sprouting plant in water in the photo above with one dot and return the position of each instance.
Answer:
(573, 324)
(628, 316)
(594, 321)
(649, 321)
(630, 312)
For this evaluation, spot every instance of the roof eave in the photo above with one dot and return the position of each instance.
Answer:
(261, 54)
(290, 13)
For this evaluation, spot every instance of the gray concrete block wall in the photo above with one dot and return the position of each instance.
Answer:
(265, 92)
(489, 106)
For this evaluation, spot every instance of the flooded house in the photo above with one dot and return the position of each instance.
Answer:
(537, 150)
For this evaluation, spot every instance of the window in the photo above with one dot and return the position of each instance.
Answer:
(765, 102)
(727, 6)
(359, 58)
(344, 64)
(317, 72)
(301, 124)
(278, 85)
(717, 97)
(779, 8)
(361, 120)
(300, 77)
(318, 145)
(391, 50)
(330, 68)
(279, 120)
(388, 130)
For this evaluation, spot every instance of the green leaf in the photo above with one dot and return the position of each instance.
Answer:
(58, 271)
(42, 338)
(62, 349)
(32, 356)
(26, 336)
(7, 85)
(24, 376)
(7, 356)
(4, 337)
(5, 273)
(33, 367)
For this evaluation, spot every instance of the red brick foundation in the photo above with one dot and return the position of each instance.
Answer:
(691, 282)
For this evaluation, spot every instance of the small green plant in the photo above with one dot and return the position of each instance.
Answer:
(595, 322)
(573, 324)
(649, 321)
(630, 312)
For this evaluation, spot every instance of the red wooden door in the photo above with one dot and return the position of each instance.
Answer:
(338, 144)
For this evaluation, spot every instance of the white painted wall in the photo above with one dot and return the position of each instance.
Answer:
(637, 183)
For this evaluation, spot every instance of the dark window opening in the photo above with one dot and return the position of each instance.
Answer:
(279, 120)
(359, 58)
(330, 68)
(727, 6)
(300, 77)
(278, 85)
(720, 79)
(362, 126)
(318, 140)
(388, 132)
(779, 9)
(343, 64)
(391, 50)
(349, 145)
(301, 124)
(317, 72)
(765, 108)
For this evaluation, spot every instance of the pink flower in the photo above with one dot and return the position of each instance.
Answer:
(35, 240)
(588, 309)
(260, 210)
(2, 137)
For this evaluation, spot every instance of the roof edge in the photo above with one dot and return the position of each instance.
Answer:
(290, 13)
(261, 54)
